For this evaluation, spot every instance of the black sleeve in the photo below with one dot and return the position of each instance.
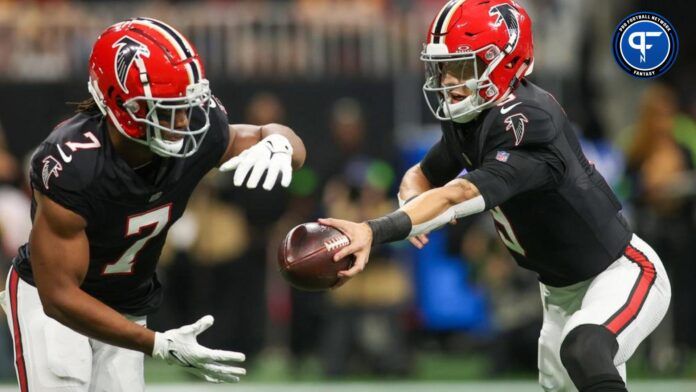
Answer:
(505, 174)
(439, 166)
(218, 137)
(516, 154)
(60, 181)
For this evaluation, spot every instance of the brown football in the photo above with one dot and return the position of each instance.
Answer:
(305, 257)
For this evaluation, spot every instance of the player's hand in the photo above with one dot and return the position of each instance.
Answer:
(272, 155)
(360, 236)
(419, 241)
(180, 347)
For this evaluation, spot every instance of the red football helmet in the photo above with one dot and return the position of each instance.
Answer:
(486, 44)
(142, 75)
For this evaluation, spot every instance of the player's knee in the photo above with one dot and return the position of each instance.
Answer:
(587, 353)
(588, 343)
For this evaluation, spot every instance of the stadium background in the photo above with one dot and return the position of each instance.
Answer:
(345, 75)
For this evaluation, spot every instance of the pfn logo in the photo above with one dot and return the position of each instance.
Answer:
(642, 46)
(645, 45)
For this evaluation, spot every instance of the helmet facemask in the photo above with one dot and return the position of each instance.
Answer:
(448, 75)
(159, 116)
(152, 113)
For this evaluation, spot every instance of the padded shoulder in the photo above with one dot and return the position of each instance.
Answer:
(69, 158)
(518, 123)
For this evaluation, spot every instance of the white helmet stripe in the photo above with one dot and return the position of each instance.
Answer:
(179, 49)
(443, 19)
(177, 38)
(182, 46)
(435, 30)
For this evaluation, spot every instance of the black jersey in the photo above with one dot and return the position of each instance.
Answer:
(128, 212)
(553, 210)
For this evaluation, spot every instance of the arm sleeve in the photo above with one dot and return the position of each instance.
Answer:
(218, 137)
(59, 181)
(439, 166)
(505, 174)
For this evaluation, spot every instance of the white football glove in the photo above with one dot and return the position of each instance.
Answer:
(272, 155)
(179, 347)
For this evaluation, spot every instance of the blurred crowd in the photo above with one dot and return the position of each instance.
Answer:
(463, 293)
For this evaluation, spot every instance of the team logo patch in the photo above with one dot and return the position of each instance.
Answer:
(128, 51)
(507, 14)
(51, 167)
(502, 156)
(516, 124)
(645, 45)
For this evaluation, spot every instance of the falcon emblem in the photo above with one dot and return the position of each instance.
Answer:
(507, 14)
(51, 167)
(516, 124)
(128, 51)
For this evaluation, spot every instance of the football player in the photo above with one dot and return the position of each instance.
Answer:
(508, 147)
(108, 184)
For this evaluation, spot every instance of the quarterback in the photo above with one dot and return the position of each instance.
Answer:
(107, 185)
(507, 147)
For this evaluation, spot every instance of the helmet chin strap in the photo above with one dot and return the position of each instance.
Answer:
(464, 111)
(469, 108)
(165, 148)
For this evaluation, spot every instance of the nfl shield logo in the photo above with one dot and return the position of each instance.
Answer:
(502, 156)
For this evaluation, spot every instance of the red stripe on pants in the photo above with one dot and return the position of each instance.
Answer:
(19, 353)
(628, 312)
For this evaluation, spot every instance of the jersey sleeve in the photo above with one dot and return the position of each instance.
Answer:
(63, 182)
(505, 174)
(218, 137)
(523, 126)
(439, 166)
(517, 156)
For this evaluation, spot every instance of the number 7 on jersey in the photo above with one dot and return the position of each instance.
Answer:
(136, 223)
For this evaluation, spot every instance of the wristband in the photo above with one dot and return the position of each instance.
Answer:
(392, 227)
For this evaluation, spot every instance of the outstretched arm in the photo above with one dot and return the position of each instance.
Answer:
(436, 169)
(413, 184)
(495, 182)
(60, 260)
(426, 212)
(438, 206)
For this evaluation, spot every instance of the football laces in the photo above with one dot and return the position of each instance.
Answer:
(336, 242)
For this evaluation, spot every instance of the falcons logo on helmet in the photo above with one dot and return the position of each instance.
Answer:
(516, 124)
(128, 51)
(51, 167)
(507, 14)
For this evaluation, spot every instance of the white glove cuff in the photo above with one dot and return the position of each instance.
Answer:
(278, 143)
